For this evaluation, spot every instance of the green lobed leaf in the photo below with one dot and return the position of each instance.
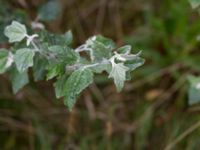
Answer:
(118, 73)
(49, 11)
(106, 42)
(132, 65)
(76, 83)
(18, 80)
(24, 59)
(16, 32)
(135, 63)
(194, 90)
(100, 48)
(122, 65)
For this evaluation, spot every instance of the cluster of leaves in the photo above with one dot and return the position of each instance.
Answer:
(194, 88)
(51, 56)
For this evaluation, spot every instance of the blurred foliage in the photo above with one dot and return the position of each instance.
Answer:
(152, 112)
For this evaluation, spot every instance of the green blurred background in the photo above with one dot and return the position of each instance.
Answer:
(152, 111)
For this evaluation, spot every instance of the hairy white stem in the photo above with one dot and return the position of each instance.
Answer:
(82, 66)
(82, 48)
